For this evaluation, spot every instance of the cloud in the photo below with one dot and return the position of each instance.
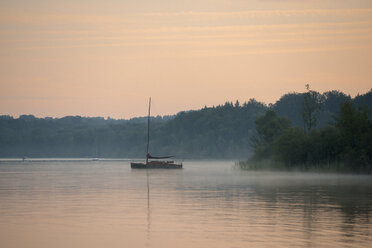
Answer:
(228, 30)
(136, 18)
(47, 19)
(267, 13)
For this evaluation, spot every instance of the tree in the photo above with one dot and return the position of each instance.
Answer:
(291, 147)
(290, 105)
(310, 108)
(268, 128)
(356, 135)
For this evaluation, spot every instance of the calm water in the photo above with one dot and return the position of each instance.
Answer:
(208, 204)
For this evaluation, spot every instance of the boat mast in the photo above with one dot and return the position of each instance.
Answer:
(148, 133)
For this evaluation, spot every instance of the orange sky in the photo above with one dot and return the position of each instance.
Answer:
(105, 58)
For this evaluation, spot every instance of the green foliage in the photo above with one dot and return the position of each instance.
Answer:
(291, 146)
(363, 100)
(290, 105)
(346, 145)
(223, 131)
(268, 127)
(356, 136)
(217, 132)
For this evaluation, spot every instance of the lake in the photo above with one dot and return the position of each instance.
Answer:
(82, 203)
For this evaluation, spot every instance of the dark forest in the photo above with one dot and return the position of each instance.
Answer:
(233, 130)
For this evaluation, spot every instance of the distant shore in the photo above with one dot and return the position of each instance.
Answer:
(271, 165)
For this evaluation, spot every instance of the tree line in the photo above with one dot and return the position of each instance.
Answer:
(343, 144)
(222, 132)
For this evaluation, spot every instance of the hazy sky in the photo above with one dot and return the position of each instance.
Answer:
(105, 58)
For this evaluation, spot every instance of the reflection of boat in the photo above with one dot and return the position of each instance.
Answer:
(154, 163)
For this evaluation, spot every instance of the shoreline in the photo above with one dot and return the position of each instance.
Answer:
(271, 165)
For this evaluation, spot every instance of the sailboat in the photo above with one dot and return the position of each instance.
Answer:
(152, 162)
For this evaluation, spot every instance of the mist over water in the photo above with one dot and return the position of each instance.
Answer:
(207, 204)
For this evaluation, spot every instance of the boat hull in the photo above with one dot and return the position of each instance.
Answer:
(155, 166)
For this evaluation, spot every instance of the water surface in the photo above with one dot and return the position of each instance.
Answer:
(207, 204)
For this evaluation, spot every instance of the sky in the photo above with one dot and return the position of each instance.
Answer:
(106, 58)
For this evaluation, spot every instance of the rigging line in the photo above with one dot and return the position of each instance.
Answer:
(148, 132)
